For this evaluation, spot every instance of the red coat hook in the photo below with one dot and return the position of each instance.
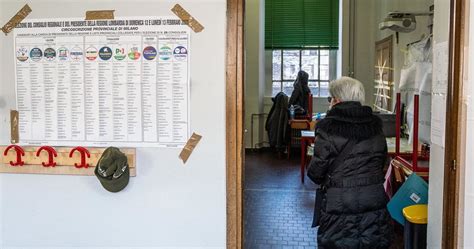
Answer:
(19, 153)
(84, 152)
(51, 153)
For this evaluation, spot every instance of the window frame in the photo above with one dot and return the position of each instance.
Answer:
(317, 80)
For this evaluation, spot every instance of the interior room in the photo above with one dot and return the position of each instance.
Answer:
(236, 124)
(396, 48)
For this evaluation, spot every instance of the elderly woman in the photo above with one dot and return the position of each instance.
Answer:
(349, 155)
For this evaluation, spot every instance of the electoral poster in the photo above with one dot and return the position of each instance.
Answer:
(122, 82)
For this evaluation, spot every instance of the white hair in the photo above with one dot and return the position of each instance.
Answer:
(347, 89)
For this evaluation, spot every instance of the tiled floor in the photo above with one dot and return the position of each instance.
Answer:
(278, 208)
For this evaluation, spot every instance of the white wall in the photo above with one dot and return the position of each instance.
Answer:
(435, 193)
(168, 204)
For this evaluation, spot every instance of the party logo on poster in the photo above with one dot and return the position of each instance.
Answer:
(180, 53)
(134, 53)
(63, 54)
(120, 54)
(22, 54)
(149, 53)
(50, 54)
(36, 54)
(105, 53)
(76, 53)
(91, 53)
(165, 53)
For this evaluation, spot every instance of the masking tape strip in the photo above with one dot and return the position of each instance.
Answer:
(16, 19)
(100, 15)
(189, 147)
(14, 133)
(187, 18)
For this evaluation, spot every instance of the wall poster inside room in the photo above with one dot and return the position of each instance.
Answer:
(122, 82)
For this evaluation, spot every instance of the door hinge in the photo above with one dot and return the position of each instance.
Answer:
(453, 165)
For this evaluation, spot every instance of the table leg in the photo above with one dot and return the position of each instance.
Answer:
(303, 158)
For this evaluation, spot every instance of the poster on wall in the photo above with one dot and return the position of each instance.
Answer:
(122, 82)
(440, 88)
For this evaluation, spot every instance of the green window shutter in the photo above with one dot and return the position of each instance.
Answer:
(295, 24)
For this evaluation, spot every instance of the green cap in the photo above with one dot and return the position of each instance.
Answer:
(112, 170)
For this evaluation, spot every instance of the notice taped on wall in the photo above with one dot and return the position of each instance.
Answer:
(122, 82)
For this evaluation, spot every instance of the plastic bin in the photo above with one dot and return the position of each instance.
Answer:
(416, 219)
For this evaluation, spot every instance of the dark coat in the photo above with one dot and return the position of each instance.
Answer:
(277, 122)
(353, 212)
(299, 96)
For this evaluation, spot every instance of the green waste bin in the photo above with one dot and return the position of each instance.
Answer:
(416, 220)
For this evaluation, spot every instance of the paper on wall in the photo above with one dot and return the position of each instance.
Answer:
(97, 83)
(440, 86)
(440, 67)
(438, 119)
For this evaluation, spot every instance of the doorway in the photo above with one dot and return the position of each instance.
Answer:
(235, 125)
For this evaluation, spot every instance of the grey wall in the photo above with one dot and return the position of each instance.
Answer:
(364, 46)
(254, 68)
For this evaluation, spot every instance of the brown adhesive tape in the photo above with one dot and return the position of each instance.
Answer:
(187, 18)
(189, 147)
(16, 19)
(14, 133)
(100, 15)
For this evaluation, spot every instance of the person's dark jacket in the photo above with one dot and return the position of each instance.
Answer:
(277, 122)
(353, 211)
(299, 96)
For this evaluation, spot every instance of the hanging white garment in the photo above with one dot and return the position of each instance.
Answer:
(415, 78)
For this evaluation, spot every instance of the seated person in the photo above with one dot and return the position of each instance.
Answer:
(299, 96)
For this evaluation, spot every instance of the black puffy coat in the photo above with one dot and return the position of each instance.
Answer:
(353, 211)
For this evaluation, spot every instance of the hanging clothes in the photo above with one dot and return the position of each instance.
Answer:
(277, 122)
(415, 78)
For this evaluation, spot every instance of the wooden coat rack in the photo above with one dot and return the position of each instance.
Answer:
(56, 161)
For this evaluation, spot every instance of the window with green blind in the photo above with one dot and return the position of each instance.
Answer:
(296, 24)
